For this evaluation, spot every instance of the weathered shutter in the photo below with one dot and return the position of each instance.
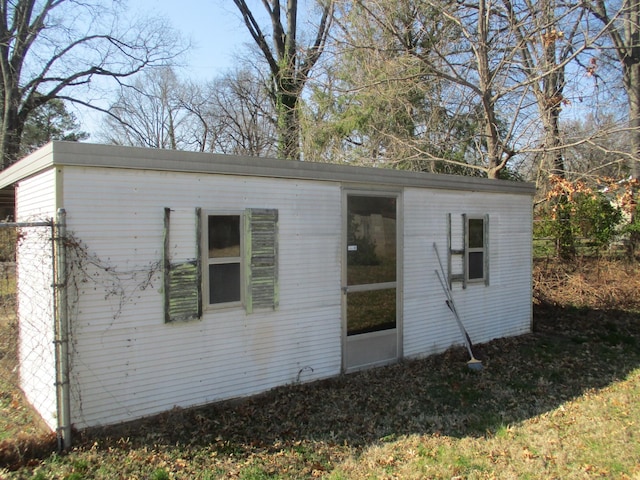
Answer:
(261, 254)
(486, 249)
(456, 251)
(183, 279)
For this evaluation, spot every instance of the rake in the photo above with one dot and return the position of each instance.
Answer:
(473, 363)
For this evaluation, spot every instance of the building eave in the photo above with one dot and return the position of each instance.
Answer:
(60, 154)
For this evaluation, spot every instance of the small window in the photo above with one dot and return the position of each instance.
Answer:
(224, 259)
(476, 249)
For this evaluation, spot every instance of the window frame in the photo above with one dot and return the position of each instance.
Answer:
(208, 261)
(468, 250)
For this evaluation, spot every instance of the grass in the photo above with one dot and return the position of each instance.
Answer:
(16, 417)
(593, 435)
(558, 403)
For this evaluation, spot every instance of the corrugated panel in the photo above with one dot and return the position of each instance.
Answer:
(500, 309)
(128, 362)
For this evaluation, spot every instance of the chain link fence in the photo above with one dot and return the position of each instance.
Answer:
(27, 347)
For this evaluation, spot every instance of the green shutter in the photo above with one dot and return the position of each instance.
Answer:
(261, 258)
(486, 249)
(182, 280)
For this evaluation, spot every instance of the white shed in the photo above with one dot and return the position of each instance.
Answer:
(192, 278)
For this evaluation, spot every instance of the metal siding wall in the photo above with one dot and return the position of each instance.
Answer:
(127, 362)
(501, 309)
(35, 201)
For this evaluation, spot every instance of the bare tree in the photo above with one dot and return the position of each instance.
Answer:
(498, 68)
(243, 116)
(231, 114)
(471, 63)
(601, 153)
(543, 53)
(289, 63)
(148, 113)
(50, 48)
(379, 102)
(621, 19)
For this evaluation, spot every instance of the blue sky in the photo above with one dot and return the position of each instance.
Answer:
(214, 27)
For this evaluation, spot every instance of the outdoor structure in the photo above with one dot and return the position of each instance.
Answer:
(179, 279)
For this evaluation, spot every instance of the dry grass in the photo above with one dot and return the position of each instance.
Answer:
(589, 283)
(558, 403)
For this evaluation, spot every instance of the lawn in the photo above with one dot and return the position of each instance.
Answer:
(560, 402)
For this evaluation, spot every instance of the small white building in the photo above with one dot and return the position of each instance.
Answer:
(192, 278)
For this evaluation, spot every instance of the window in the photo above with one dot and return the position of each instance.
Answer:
(241, 258)
(475, 249)
(468, 256)
(224, 259)
(234, 257)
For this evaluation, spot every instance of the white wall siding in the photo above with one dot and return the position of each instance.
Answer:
(501, 309)
(35, 202)
(127, 362)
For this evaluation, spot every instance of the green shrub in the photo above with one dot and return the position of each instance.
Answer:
(586, 215)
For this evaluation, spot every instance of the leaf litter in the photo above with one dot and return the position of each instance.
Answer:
(586, 337)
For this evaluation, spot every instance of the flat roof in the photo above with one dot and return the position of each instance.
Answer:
(56, 154)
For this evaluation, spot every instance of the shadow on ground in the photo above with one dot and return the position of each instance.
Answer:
(571, 351)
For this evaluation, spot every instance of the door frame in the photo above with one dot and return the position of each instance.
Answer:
(372, 338)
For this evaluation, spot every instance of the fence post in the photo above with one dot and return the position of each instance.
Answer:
(62, 332)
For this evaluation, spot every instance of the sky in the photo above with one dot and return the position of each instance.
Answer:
(214, 28)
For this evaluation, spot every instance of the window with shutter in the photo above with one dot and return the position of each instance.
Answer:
(468, 252)
(241, 264)
(242, 259)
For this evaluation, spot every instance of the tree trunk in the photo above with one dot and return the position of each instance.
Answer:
(553, 159)
(631, 66)
(492, 136)
(10, 133)
(289, 65)
(550, 106)
(288, 125)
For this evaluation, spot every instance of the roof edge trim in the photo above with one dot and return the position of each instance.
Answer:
(112, 156)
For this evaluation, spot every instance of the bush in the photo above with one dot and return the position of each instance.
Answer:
(576, 212)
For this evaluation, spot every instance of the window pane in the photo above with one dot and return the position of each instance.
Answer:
(371, 311)
(224, 236)
(224, 283)
(371, 237)
(476, 233)
(476, 265)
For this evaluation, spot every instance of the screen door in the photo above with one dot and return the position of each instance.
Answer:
(370, 293)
